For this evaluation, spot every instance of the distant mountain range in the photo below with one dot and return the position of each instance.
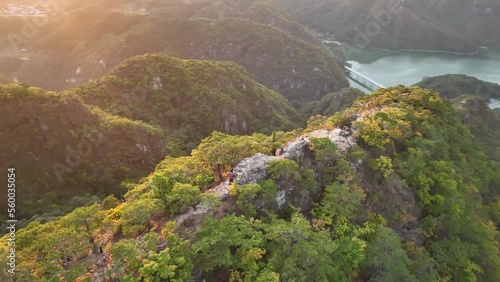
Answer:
(83, 45)
(446, 25)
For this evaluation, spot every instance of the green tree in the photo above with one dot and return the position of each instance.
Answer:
(383, 164)
(339, 201)
(298, 253)
(165, 266)
(126, 255)
(181, 197)
(219, 152)
(132, 217)
(232, 243)
(246, 197)
(387, 259)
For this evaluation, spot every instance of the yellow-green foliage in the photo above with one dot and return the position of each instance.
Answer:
(131, 218)
(445, 167)
(383, 164)
(287, 173)
(340, 238)
(178, 181)
(181, 197)
(110, 202)
(340, 201)
(246, 195)
(140, 260)
(323, 148)
(220, 149)
(385, 126)
(196, 97)
(55, 246)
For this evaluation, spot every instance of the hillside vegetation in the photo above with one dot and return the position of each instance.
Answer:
(447, 25)
(333, 102)
(189, 99)
(258, 11)
(85, 44)
(65, 149)
(394, 188)
(90, 139)
(455, 85)
(471, 96)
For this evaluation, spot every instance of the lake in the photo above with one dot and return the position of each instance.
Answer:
(409, 67)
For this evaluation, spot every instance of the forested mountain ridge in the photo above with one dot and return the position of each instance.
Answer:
(400, 185)
(448, 25)
(263, 12)
(394, 188)
(89, 139)
(72, 150)
(189, 99)
(333, 102)
(455, 85)
(471, 96)
(84, 45)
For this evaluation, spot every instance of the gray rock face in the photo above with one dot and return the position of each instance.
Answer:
(193, 212)
(222, 190)
(342, 138)
(280, 199)
(253, 169)
(294, 150)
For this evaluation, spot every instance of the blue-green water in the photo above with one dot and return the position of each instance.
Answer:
(409, 67)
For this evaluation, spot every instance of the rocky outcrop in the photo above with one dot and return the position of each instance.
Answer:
(252, 169)
(342, 138)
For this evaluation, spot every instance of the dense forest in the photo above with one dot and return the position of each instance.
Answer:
(84, 142)
(394, 188)
(210, 140)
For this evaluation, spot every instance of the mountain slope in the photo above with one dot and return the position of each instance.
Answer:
(334, 102)
(470, 95)
(257, 11)
(394, 188)
(455, 26)
(455, 85)
(297, 69)
(91, 138)
(64, 148)
(189, 99)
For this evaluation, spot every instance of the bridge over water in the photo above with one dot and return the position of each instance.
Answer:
(362, 80)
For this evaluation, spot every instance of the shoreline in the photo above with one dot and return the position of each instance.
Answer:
(410, 50)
